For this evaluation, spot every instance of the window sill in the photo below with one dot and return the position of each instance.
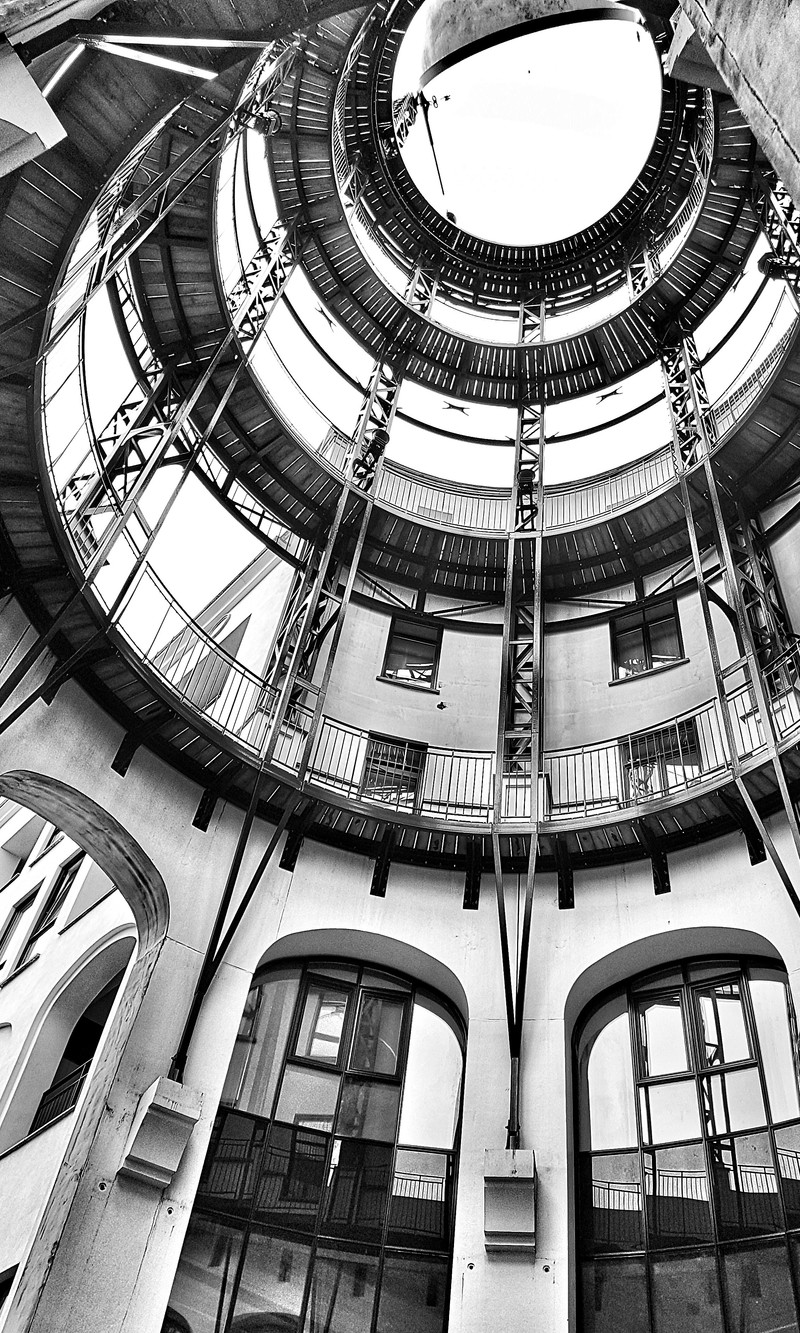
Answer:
(654, 671)
(22, 968)
(409, 685)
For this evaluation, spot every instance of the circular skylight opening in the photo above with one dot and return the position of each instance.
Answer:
(536, 136)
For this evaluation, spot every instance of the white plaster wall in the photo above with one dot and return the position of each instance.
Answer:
(468, 685)
(581, 707)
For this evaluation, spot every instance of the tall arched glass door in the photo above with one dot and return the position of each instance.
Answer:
(689, 1154)
(327, 1196)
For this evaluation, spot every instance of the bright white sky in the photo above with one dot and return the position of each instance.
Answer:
(542, 134)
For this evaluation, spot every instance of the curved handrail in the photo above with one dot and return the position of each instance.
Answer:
(453, 786)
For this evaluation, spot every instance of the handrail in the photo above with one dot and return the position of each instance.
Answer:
(449, 785)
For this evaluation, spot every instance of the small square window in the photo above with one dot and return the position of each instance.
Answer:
(412, 652)
(655, 763)
(645, 640)
(393, 772)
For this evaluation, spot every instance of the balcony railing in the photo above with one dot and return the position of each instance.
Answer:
(448, 785)
(60, 1098)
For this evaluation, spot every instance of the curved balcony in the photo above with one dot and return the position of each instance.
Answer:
(580, 786)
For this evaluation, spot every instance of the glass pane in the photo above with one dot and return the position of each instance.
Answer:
(322, 1023)
(413, 1295)
(661, 1035)
(669, 1112)
(758, 1289)
(787, 1142)
(629, 652)
(202, 1288)
(664, 645)
(342, 1292)
(258, 1054)
(339, 971)
(368, 1110)
(358, 1189)
(377, 1044)
(606, 1080)
(678, 1210)
(686, 1294)
(733, 1101)
(234, 1157)
(419, 1202)
(611, 1203)
(432, 1087)
(378, 981)
(270, 1294)
(745, 1186)
(770, 1005)
(614, 1296)
(722, 1025)
(292, 1177)
(308, 1097)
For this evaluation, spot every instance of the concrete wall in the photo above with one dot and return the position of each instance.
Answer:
(754, 45)
(120, 1242)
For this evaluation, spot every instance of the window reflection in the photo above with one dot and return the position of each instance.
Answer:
(330, 1215)
(686, 1230)
(678, 1200)
(669, 1112)
(746, 1186)
(606, 1080)
(662, 1036)
(723, 1025)
(322, 1023)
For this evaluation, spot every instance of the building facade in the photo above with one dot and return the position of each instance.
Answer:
(399, 700)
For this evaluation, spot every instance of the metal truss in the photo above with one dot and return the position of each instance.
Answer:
(374, 423)
(531, 321)
(422, 287)
(780, 221)
(763, 602)
(154, 426)
(518, 788)
(643, 270)
(404, 116)
(693, 426)
(126, 228)
(315, 607)
(752, 601)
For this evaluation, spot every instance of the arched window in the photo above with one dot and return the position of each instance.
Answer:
(689, 1154)
(327, 1196)
(72, 1068)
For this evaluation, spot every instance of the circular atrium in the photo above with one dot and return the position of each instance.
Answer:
(399, 530)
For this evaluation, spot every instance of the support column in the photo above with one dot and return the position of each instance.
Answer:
(748, 601)
(315, 607)
(780, 222)
(519, 732)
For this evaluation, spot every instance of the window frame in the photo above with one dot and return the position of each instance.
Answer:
(423, 627)
(608, 1239)
(376, 738)
(641, 610)
(329, 1218)
(53, 902)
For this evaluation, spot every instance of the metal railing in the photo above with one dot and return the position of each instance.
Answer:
(192, 665)
(588, 781)
(60, 1098)
(447, 784)
(443, 783)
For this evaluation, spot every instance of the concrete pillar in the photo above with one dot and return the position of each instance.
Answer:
(755, 46)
